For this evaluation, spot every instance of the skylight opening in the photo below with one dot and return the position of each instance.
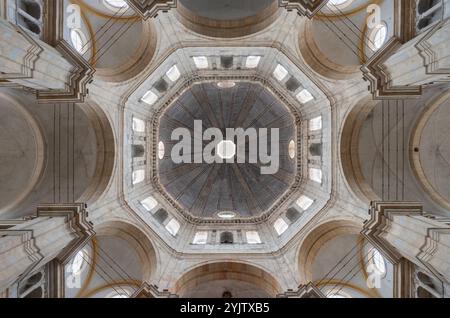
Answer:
(280, 226)
(201, 62)
(305, 96)
(161, 150)
(173, 73)
(280, 73)
(150, 98)
(173, 227)
(252, 61)
(227, 215)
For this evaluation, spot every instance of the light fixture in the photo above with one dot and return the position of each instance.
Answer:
(304, 96)
(226, 215)
(150, 98)
(226, 149)
(252, 61)
(280, 72)
(201, 62)
(226, 84)
(173, 73)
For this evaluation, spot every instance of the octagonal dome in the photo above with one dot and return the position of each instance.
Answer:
(203, 189)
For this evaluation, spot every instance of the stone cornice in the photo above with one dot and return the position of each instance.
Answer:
(381, 215)
(75, 215)
(379, 79)
(82, 72)
(150, 8)
(304, 7)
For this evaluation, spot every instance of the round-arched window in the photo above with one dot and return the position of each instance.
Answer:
(378, 261)
(115, 5)
(79, 40)
(378, 37)
(340, 4)
(78, 263)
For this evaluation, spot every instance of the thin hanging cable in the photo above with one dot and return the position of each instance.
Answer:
(328, 280)
(342, 281)
(115, 263)
(109, 45)
(337, 264)
(94, 268)
(343, 41)
(95, 35)
(365, 36)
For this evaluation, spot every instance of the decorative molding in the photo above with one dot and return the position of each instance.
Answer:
(428, 250)
(30, 248)
(76, 219)
(308, 8)
(29, 59)
(404, 279)
(150, 8)
(151, 291)
(430, 57)
(379, 79)
(381, 214)
(82, 72)
(304, 291)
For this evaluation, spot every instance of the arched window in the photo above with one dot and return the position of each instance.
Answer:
(78, 263)
(116, 5)
(378, 36)
(29, 15)
(79, 40)
(428, 13)
(226, 238)
(378, 261)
